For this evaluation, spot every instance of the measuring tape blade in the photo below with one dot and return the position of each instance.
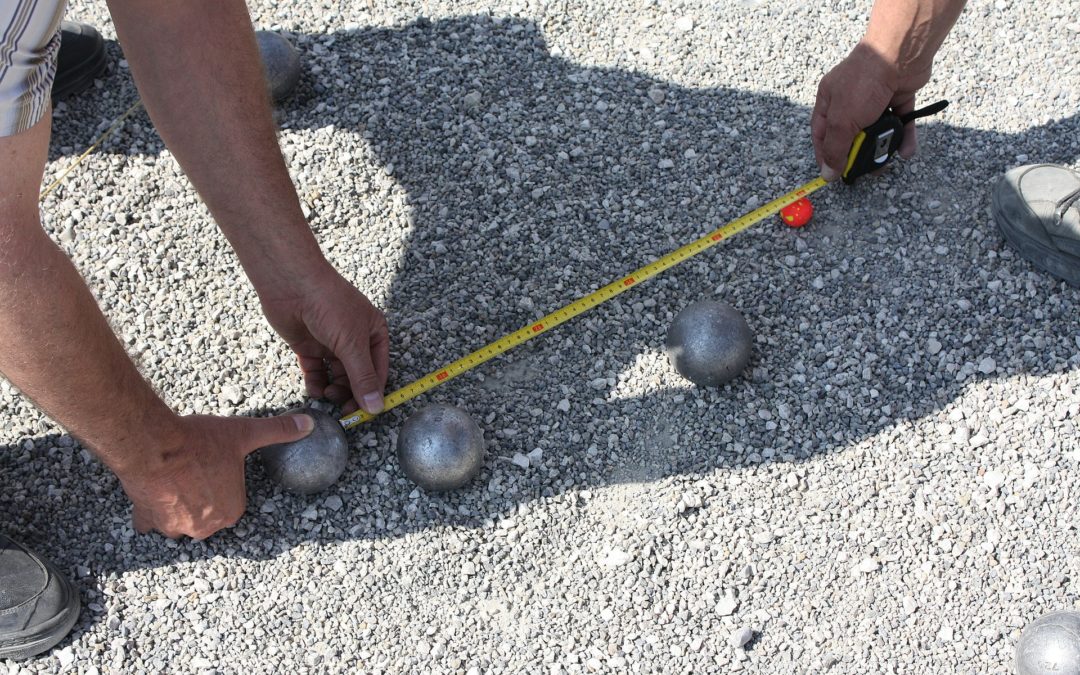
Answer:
(888, 130)
(584, 304)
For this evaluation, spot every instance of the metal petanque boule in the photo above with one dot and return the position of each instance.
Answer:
(1050, 645)
(281, 62)
(709, 343)
(313, 463)
(440, 448)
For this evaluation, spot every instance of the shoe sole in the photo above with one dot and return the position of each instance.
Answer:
(1053, 261)
(49, 636)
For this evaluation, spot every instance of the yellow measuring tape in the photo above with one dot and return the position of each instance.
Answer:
(582, 305)
(556, 318)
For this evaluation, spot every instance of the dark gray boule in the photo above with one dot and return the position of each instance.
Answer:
(313, 463)
(281, 62)
(1050, 645)
(440, 448)
(709, 343)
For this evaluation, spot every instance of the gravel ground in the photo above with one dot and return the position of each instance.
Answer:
(891, 487)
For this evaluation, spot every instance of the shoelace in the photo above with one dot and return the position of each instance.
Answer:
(1067, 203)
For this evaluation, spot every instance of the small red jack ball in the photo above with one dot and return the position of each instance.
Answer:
(797, 214)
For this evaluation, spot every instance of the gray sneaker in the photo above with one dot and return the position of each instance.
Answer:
(1037, 208)
(38, 605)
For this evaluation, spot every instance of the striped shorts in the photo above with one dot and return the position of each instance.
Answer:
(29, 42)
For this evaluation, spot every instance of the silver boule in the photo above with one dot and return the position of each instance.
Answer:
(281, 62)
(1050, 645)
(440, 448)
(312, 463)
(709, 343)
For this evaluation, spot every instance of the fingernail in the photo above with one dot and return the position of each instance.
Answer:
(373, 402)
(304, 423)
(828, 173)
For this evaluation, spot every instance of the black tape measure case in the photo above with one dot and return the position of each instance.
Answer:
(875, 145)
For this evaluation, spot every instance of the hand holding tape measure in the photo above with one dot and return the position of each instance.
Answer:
(872, 149)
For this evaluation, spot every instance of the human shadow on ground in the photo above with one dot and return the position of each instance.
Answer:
(531, 181)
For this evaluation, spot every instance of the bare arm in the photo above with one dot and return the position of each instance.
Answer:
(185, 475)
(55, 345)
(908, 33)
(197, 67)
(195, 62)
(885, 69)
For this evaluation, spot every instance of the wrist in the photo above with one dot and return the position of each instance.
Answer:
(870, 75)
(908, 33)
(278, 255)
(148, 450)
(290, 277)
(878, 62)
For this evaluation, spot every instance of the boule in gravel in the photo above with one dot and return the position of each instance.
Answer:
(1050, 645)
(440, 448)
(281, 62)
(709, 343)
(312, 463)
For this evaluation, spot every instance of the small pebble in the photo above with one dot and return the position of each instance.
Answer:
(740, 637)
(727, 604)
(615, 558)
(472, 99)
(994, 479)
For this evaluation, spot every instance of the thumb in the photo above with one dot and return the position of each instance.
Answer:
(902, 105)
(364, 378)
(262, 432)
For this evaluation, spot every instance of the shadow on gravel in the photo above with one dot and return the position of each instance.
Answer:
(532, 180)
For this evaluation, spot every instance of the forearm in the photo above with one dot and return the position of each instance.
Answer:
(57, 347)
(198, 71)
(907, 33)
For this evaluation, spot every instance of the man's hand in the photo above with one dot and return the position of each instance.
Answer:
(886, 68)
(219, 126)
(196, 487)
(851, 97)
(339, 337)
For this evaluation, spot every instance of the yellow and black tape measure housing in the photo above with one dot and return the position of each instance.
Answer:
(875, 145)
